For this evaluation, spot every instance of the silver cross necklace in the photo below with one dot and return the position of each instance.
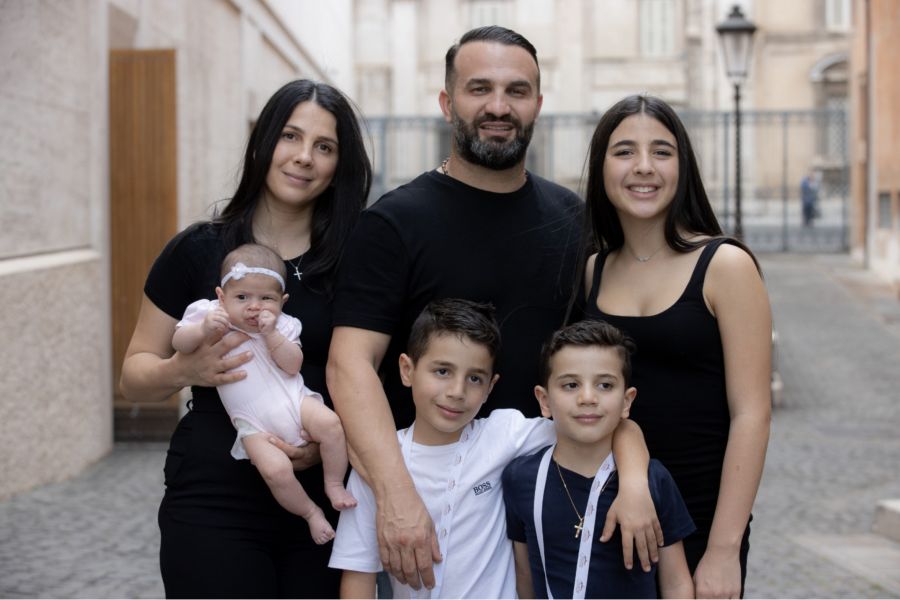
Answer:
(297, 272)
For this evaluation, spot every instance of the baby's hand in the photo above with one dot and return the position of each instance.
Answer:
(215, 322)
(266, 321)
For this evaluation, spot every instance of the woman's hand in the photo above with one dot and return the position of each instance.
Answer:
(208, 366)
(718, 574)
(302, 457)
(152, 371)
(635, 514)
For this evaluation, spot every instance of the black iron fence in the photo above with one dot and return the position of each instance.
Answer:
(778, 148)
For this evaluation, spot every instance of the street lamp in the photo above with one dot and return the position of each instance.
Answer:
(736, 33)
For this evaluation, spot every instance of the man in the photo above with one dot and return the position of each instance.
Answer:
(809, 197)
(477, 227)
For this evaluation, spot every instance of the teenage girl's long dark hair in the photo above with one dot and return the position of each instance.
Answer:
(337, 208)
(690, 210)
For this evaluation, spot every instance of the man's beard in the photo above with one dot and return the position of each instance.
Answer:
(492, 153)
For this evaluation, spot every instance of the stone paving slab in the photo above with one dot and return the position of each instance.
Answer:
(887, 519)
(871, 556)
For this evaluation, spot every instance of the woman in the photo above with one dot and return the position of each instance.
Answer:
(305, 179)
(695, 304)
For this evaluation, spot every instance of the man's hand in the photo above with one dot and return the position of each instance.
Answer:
(635, 513)
(406, 539)
(302, 457)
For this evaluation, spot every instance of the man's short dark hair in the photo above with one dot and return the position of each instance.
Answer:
(453, 316)
(588, 333)
(489, 33)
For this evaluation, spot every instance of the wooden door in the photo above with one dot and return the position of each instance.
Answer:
(143, 208)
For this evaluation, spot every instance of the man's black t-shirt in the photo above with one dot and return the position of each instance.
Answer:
(436, 237)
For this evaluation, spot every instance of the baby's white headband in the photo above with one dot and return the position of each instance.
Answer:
(239, 270)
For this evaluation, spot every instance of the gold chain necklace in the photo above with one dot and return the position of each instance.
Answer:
(445, 168)
(580, 525)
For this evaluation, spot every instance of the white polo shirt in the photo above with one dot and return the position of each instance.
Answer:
(460, 485)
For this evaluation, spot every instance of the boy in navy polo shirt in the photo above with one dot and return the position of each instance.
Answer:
(557, 499)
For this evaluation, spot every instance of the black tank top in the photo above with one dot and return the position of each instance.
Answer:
(679, 373)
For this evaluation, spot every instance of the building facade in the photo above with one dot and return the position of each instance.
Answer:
(123, 121)
(594, 52)
(875, 101)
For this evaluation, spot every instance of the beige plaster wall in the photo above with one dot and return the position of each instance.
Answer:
(225, 70)
(885, 90)
(588, 51)
(231, 56)
(55, 412)
(859, 117)
(790, 42)
(45, 185)
(55, 392)
(56, 389)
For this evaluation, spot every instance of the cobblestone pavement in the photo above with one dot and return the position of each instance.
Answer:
(94, 536)
(835, 443)
(834, 452)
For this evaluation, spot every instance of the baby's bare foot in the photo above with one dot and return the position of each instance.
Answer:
(319, 527)
(339, 496)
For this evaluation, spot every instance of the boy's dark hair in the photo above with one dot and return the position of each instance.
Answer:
(588, 333)
(254, 255)
(462, 318)
(489, 33)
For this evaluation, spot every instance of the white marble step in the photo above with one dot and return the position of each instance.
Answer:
(887, 519)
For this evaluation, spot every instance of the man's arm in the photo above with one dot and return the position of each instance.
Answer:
(406, 539)
(357, 585)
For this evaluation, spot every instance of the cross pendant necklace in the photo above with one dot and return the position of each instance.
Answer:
(297, 272)
(580, 524)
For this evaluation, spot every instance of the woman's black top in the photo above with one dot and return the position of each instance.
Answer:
(204, 484)
(679, 373)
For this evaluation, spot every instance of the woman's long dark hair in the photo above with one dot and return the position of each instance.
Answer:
(689, 211)
(336, 209)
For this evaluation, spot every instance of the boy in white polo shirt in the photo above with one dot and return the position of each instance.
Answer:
(455, 460)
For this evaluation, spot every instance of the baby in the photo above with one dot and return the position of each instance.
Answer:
(272, 399)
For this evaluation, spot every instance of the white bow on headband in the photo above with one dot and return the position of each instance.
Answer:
(239, 270)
